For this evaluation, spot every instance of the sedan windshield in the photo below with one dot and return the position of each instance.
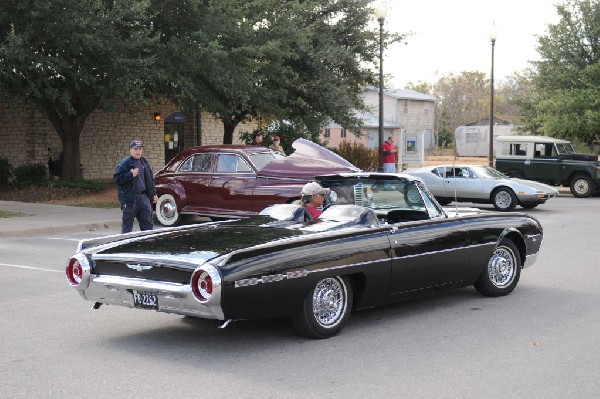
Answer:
(260, 159)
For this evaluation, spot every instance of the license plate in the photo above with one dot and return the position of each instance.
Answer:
(145, 300)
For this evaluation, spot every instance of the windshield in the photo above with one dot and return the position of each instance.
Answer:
(487, 172)
(260, 159)
(565, 148)
(380, 195)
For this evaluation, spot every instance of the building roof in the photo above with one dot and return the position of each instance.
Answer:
(528, 139)
(370, 121)
(486, 122)
(403, 94)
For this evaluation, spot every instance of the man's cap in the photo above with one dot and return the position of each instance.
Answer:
(276, 138)
(258, 134)
(136, 143)
(314, 188)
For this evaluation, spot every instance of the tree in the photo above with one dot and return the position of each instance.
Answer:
(71, 57)
(273, 59)
(567, 77)
(462, 98)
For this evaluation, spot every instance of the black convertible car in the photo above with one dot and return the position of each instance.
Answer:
(381, 238)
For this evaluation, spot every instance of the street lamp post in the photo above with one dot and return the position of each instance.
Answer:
(380, 13)
(493, 36)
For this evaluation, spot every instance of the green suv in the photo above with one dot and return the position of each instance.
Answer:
(548, 160)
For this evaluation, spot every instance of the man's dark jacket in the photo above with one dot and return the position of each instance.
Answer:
(124, 180)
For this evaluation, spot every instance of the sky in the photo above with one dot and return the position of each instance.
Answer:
(453, 36)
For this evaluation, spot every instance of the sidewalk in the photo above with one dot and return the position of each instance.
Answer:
(47, 219)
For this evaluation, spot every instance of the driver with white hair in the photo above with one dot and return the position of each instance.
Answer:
(313, 196)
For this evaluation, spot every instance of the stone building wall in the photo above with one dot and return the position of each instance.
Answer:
(27, 136)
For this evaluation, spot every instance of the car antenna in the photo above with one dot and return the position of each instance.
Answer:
(455, 183)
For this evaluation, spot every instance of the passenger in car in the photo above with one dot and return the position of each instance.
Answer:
(313, 196)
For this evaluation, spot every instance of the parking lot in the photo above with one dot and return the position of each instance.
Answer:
(541, 341)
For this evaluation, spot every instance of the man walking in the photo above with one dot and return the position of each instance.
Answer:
(135, 182)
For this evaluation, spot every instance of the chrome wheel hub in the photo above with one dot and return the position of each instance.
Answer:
(329, 302)
(168, 210)
(502, 267)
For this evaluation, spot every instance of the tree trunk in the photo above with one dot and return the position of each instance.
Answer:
(69, 128)
(71, 168)
(229, 126)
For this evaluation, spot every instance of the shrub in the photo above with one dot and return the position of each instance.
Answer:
(5, 171)
(31, 173)
(360, 156)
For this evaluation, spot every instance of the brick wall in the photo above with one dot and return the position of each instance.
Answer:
(27, 136)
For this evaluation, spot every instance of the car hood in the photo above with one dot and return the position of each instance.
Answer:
(308, 160)
(535, 185)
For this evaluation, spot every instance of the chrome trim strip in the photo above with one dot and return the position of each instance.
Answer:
(443, 251)
(304, 273)
(270, 278)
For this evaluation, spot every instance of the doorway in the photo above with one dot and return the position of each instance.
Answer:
(174, 142)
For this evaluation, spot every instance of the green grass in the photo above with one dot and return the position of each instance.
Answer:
(8, 214)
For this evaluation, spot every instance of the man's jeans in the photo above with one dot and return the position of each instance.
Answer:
(140, 209)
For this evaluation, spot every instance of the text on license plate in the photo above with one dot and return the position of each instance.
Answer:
(145, 300)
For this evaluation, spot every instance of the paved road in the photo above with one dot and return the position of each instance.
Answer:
(542, 341)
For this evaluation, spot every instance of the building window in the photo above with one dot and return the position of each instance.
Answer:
(406, 106)
(327, 133)
(343, 133)
(426, 111)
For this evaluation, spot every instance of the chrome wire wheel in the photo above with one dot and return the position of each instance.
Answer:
(502, 267)
(329, 302)
(326, 308)
(502, 272)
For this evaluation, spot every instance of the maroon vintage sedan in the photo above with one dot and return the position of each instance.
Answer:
(238, 180)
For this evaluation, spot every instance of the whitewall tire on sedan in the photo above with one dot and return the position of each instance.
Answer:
(166, 210)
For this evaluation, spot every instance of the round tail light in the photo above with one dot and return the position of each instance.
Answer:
(202, 285)
(74, 272)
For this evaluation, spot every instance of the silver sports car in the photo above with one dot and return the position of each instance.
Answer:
(482, 184)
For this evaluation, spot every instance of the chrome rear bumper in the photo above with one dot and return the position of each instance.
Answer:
(172, 297)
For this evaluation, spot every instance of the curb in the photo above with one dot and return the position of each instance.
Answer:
(68, 228)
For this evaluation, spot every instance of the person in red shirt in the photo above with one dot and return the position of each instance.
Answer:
(313, 196)
(389, 156)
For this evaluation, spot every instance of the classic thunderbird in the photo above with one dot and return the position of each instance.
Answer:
(228, 181)
(382, 237)
(482, 184)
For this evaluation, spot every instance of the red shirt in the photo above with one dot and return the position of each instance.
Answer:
(389, 158)
(314, 212)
